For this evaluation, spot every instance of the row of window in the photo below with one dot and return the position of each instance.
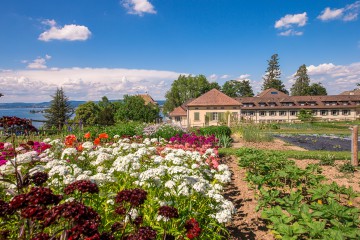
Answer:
(273, 104)
(294, 113)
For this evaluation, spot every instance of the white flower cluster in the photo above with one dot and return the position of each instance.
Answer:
(175, 173)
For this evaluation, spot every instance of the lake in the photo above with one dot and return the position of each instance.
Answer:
(24, 113)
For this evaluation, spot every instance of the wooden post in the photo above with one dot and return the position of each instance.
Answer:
(354, 146)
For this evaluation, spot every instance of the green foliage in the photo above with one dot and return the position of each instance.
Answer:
(295, 202)
(234, 88)
(133, 108)
(253, 133)
(59, 111)
(106, 112)
(305, 115)
(317, 89)
(121, 128)
(165, 131)
(272, 75)
(213, 130)
(87, 113)
(347, 168)
(328, 160)
(185, 88)
(302, 82)
(224, 141)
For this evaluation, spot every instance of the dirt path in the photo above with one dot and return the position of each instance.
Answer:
(246, 224)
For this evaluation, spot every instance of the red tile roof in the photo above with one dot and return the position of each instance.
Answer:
(179, 111)
(272, 92)
(214, 98)
(148, 99)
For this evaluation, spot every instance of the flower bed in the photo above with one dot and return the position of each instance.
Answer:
(130, 188)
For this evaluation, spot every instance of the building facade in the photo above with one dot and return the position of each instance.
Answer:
(214, 108)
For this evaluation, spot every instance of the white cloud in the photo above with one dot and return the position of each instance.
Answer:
(244, 76)
(138, 7)
(38, 63)
(348, 13)
(292, 20)
(291, 32)
(38, 85)
(225, 76)
(336, 78)
(70, 32)
(213, 77)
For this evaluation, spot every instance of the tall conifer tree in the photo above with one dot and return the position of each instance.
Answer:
(272, 75)
(59, 111)
(301, 87)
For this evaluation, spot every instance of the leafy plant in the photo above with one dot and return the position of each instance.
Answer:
(347, 168)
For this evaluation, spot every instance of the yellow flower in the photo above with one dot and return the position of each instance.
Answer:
(319, 201)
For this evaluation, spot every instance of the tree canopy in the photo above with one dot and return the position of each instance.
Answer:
(272, 75)
(185, 88)
(59, 111)
(317, 89)
(234, 88)
(1, 94)
(134, 108)
(87, 113)
(301, 86)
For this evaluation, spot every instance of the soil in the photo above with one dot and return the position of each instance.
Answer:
(247, 223)
(277, 144)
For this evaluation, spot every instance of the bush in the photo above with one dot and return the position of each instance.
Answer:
(163, 130)
(122, 129)
(214, 130)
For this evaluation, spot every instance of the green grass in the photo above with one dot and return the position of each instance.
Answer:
(319, 155)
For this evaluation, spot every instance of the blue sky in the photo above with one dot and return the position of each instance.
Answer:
(96, 48)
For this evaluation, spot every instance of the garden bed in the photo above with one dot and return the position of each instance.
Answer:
(318, 142)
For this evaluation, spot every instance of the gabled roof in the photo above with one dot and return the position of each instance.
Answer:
(179, 111)
(214, 98)
(272, 92)
(148, 99)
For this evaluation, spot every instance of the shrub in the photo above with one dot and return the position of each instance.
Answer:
(163, 130)
(214, 130)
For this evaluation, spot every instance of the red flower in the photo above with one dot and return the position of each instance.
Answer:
(193, 228)
(87, 135)
(69, 140)
(103, 135)
(97, 141)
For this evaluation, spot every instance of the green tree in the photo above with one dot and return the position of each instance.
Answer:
(59, 111)
(302, 82)
(87, 113)
(317, 89)
(106, 115)
(272, 75)
(185, 88)
(234, 88)
(305, 115)
(134, 108)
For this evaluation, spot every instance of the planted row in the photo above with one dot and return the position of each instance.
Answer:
(295, 202)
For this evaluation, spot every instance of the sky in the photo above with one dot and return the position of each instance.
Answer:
(95, 48)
